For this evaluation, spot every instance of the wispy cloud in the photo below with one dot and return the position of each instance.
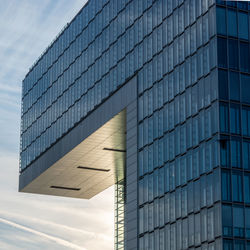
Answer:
(19, 218)
(52, 238)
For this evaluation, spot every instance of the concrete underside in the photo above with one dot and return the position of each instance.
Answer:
(101, 158)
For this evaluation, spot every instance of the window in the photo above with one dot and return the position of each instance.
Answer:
(237, 186)
(242, 5)
(216, 185)
(156, 183)
(197, 235)
(141, 240)
(140, 135)
(200, 63)
(182, 108)
(141, 220)
(245, 88)
(184, 201)
(150, 129)
(166, 147)
(203, 225)
(193, 39)
(141, 191)
(246, 155)
(172, 176)
(150, 217)
(197, 195)
(239, 245)
(166, 214)
(185, 233)
(223, 84)
(145, 104)
(226, 185)
(247, 221)
(201, 125)
(203, 191)
(189, 133)
(151, 241)
(235, 119)
(156, 125)
(145, 132)
(209, 193)
(246, 121)
(205, 26)
(150, 161)
(233, 54)
(156, 213)
(161, 181)
(199, 32)
(188, 102)
(195, 131)
(171, 146)
(235, 153)
(191, 230)
(172, 207)
(222, 52)
(210, 224)
(243, 25)
(247, 187)
(177, 172)
(187, 13)
(244, 57)
(232, 23)
(140, 163)
(187, 42)
(161, 212)
(238, 221)
(221, 21)
(224, 117)
(172, 236)
(150, 187)
(206, 60)
(190, 192)
(195, 99)
(234, 86)
(189, 165)
(178, 203)
(192, 10)
(227, 245)
(145, 188)
(183, 138)
(160, 152)
(187, 72)
(175, 16)
(227, 223)
(224, 151)
(201, 93)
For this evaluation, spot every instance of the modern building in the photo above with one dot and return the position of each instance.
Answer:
(154, 97)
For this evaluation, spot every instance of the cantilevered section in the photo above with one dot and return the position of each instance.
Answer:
(89, 158)
(89, 168)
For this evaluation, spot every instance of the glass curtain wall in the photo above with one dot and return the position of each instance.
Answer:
(178, 148)
(234, 95)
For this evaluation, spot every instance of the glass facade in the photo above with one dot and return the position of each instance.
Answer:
(234, 101)
(179, 174)
(191, 59)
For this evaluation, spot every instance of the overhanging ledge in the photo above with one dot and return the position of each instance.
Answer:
(113, 111)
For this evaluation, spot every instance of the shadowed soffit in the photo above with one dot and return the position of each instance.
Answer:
(92, 166)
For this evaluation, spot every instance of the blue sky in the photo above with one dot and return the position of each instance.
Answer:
(35, 221)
